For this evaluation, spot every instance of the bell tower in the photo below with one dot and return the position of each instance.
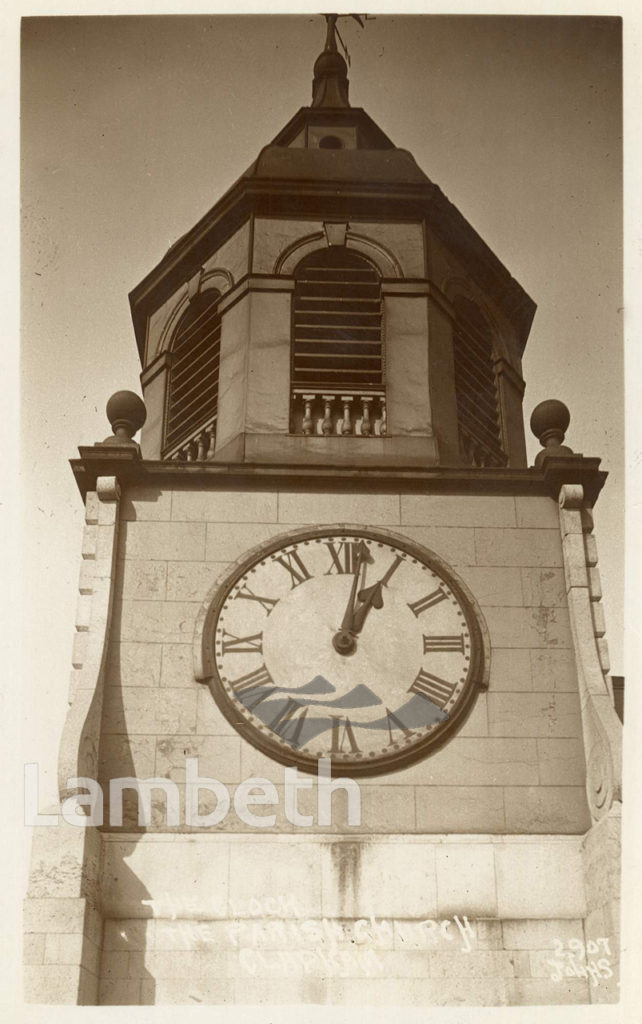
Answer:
(333, 307)
(340, 675)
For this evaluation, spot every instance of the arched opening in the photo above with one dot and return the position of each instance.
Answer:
(478, 410)
(193, 379)
(330, 142)
(337, 328)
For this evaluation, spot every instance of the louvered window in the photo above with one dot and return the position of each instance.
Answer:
(337, 324)
(193, 380)
(480, 433)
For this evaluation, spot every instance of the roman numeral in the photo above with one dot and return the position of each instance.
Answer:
(439, 691)
(242, 644)
(286, 718)
(298, 572)
(397, 723)
(260, 680)
(267, 602)
(429, 601)
(338, 739)
(443, 643)
(344, 557)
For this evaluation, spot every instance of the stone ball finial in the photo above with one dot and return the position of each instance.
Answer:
(126, 412)
(549, 423)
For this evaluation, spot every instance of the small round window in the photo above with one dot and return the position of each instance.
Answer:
(330, 142)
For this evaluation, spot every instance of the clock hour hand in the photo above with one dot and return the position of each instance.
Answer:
(371, 597)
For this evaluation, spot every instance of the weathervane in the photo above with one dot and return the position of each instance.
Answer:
(333, 32)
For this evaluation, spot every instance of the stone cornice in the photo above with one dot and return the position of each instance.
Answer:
(502, 366)
(130, 469)
(254, 283)
(406, 286)
(161, 362)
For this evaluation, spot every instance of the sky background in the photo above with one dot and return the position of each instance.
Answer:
(133, 127)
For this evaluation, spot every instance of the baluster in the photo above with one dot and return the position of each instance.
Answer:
(346, 427)
(307, 413)
(189, 449)
(366, 424)
(326, 425)
(201, 446)
(211, 433)
(383, 427)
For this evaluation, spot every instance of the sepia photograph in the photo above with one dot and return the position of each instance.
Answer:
(322, 413)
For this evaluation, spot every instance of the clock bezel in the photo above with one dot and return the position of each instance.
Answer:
(477, 676)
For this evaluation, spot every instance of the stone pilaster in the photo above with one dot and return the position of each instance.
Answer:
(62, 917)
(602, 731)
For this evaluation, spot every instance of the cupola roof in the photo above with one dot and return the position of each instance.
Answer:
(329, 160)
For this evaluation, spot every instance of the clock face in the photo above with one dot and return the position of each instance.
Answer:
(353, 645)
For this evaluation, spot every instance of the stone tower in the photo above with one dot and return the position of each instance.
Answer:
(327, 569)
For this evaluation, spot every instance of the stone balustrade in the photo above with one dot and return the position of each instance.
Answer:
(476, 453)
(339, 413)
(198, 448)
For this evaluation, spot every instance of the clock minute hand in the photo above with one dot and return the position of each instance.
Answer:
(349, 612)
(344, 640)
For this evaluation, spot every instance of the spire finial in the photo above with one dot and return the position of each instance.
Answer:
(331, 36)
(330, 85)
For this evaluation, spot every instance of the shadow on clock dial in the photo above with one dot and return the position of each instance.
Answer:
(416, 713)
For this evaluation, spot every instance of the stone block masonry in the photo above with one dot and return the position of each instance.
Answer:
(474, 876)
(441, 920)
(502, 771)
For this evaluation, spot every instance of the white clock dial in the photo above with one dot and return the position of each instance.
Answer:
(351, 645)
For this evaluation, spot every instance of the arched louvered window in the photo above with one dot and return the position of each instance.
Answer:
(480, 430)
(337, 323)
(193, 379)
